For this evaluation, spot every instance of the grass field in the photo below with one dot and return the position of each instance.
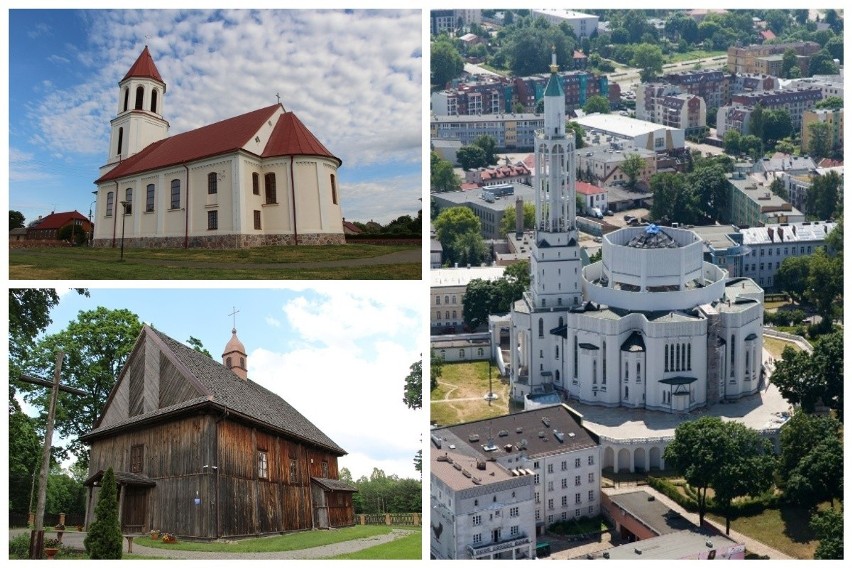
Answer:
(351, 261)
(292, 541)
(461, 391)
(776, 346)
(406, 548)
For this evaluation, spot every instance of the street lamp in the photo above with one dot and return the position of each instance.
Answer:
(123, 216)
(91, 230)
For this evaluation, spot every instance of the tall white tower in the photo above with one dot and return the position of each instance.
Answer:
(555, 263)
(139, 117)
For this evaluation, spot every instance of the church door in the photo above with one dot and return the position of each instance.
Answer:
(134, 508)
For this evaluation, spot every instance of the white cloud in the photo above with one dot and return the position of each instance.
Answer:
(383, 200)
(271, 321)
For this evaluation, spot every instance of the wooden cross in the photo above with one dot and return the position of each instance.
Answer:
(234, 314)
(278, 96)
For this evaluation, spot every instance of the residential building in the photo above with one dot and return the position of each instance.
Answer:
(436, 252)
(554, 464)
(488, 204)
(829, 85)
(796, 102)
(261, 178)
(578, 86)
(48, 228)
(582, 24)
(666, 105)
(712, 85)
(640, 133)
(442, 21)
(499, 175)
(834, 119)
(473, 98)
(447, 288)
(798, 183)
(592, 195)
(752, 204)
(512, 132)
(603, 163)
(757, 58)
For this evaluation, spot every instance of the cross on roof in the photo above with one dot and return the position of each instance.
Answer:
(278, 96)
(234, 314)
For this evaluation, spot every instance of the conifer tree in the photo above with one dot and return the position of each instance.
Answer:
(103, 542)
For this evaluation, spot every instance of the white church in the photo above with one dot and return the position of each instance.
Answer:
(261, 178)
(650, 326)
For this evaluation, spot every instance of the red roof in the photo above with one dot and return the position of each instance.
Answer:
(57, 220)
(144, 67)
(767, 34)
(292, 138)
(586, 188)
(289, 138)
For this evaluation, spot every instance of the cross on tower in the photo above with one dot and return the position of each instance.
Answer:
(234, 314)
(278, 96)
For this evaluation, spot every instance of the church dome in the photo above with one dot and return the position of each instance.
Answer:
(234, 344)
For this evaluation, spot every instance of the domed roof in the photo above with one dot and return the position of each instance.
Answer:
(234, 344)
(653, 237)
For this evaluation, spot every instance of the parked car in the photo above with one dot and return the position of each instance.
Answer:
(608, 213)
(596, 212)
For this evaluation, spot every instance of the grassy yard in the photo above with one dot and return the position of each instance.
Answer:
(291, 541)
(265, 263)
(406, 548)
(776, 346)
(693, 55)
(461, 391)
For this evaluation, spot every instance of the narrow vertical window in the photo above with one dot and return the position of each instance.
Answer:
(257, 220)
(333, 190)
(175, 202)
(126, 97)
(262, 465)
(212, 183)
(120, 140)
(324, 466)
(666, 355)
(154, 100)
(149, 198)
(540, 327)
(294, 472)
(109, 204)
(255, 183)
(269, 181)
(128, 198)
(212, 220)
(137, 454)
(677, 357)
(575, 357)
(689, 356)
(140, 95)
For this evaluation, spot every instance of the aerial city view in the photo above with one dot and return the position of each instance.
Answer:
(636, 284)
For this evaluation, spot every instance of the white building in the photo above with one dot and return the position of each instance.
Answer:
(650, 326)
(642, 134)
(256, 179)
(447, 287)
(525, 471)
(582, 24)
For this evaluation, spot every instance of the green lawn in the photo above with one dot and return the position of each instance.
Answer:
(693, 55)
(291, 541)
(405, 548)
(264, 263)
(461, 390)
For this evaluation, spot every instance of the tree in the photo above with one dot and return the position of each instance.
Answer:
(791, 276)
(649, 59)
(442, 176)
(479, 302)
(489, 146)
(596, 103)
(25, 448)
(673, 200)
(436, 367)
(710, 186)
(821, 63)
(828, 526)
(819, 141)
(832, 102)
(806, 379)
(413, 391)
(834, 46)
(446, 62)
(458, 230)
(810, 466)
(16, 220)
(728, 457)
(777, 187)
(731, 141)
(824, 283)
(196, 344)
(824, 195)
(507, 223)
(518, 274)
(632, 166)
(103, 541)
(788, 61)
(64, 494)
(579, 133)
(471, 157)
(96, 346)
(777, 125)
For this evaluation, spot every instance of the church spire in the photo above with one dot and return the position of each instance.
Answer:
(144, 67)
(234, 357)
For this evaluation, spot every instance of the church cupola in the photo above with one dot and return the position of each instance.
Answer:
(139, 117)
(234, 356)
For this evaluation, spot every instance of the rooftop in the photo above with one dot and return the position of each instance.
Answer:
(622, 125)
(654, 514)
(463, 275)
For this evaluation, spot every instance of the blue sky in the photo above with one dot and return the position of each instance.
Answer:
(353, 77)
(336, 355)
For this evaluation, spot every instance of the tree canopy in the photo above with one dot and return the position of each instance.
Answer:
(103, 539)
(810, 466)
(442, 177)
(458, 230)
(806, 379)
(446, 63)
(16, 220)
(507, 223)
(413, 391)
(471, 157)
(596, 103)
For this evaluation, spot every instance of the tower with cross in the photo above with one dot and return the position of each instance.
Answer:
(234, 356)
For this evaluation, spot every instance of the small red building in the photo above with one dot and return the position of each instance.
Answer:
(49, 228)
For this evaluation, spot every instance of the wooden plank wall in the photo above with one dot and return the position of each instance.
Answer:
(135, 375)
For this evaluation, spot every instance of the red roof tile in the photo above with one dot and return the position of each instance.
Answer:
(586, 188)
(292, 138)
(57, 220)
(222, 137)
(144, 67)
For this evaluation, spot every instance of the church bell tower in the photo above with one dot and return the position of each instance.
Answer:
(555, 261)
(234, 356)
(139, 118)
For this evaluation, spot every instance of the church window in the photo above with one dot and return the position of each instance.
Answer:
(666, 355)
(626, 392)
(149, 198)
(140, 94)
(262, 465)
(595, 372)
(109, 205)
(333, 190)
(604, 363)
(677, 357)
(136, 458)
(228, 362)
(126, 97)
(324, 466)
(120, 140)
(575, 357)
(242, 362)
(255, 183)
(153, 100)
(128, 201)
(540, 327)
(689, 356)
(461, 353)
(175, 203)
(212, 220)
(269, 181)
(683, 357)
(557, 375)
(638, 372)
(293, 471)
(480, 352)
(212, 183)
(557, 352)
(257, 219)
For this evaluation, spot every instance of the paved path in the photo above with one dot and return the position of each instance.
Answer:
(751, 545)
(74, 539)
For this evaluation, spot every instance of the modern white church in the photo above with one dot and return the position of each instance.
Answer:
(261, 178)
(650, 326)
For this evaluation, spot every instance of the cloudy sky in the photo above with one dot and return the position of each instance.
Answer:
(352, 76)
(339, 357)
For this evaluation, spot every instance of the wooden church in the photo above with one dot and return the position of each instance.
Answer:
(201, 451)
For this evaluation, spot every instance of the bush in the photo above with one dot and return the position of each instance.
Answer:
(104, 538)
(19, 547)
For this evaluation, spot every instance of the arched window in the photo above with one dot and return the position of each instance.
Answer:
(126, 97)
(128, 198)
(175, 201)
(153, 100)
(454, 314)
(228, 362)
(149, 198)
(333, 190)
(140, 95)
(269, 183)
(109, 204)
(561, 321)
(480, 352)
(120, 140)
(540, 327)
(447, 314)
(212, 183)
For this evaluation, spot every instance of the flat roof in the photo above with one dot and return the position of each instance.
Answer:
(474, 197)
(458, 469)
(787, 233)
(683, 544)
(463, 275)
(622, 125)
(716, 236)
(657, 516)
